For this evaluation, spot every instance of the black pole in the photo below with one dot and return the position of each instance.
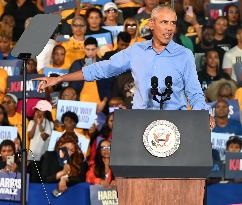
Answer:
(24, 57)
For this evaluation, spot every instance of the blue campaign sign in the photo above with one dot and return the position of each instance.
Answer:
(10, 186)
(233, 167)
(115, 30)
(234, 109)
(58, 5)
(103, 39)
(96, 2)
(13, 67)
(48, 71)
(100, 195)
(86, 111)
(8, 132)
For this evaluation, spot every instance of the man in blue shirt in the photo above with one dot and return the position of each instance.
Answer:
(159, 57)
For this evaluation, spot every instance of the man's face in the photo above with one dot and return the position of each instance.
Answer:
(9, 104)
(221, 26)
(208, 36)
(163, 26)
(5, 45)
(221, 110)
(58, 57)
(90, 51)
(78, 28)
(122, 45)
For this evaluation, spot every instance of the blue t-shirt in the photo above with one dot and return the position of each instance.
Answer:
(233, 127)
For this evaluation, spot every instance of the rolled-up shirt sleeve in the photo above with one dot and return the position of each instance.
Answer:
(193, 88)
(117, 64)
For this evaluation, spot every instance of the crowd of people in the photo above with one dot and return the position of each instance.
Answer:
(83, 155)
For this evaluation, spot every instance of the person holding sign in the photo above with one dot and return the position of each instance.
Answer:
(159, 57)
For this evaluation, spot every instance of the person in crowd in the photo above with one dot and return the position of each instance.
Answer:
(110, 13)
(20, 10)
(94, 22)
(234, 144)
(225, 92)
(75, 45)
(63, 165)
(98, 136)
(96, 91)
(5, 46)
(8, 22)
(185, 82)
(39, 130)
(3, 117)
(70, 120)
(221, 38)
(131, 26)
(233, 58)
(123, 42)
(100, 172)
(211, 71)
(15, 119)
(58, 57)
(8, 161)
(233, 16)
(223, 123)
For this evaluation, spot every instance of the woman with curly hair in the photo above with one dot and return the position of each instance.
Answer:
(65, 164)
(100, 172)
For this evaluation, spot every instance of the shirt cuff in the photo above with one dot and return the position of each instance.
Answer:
(87, 75)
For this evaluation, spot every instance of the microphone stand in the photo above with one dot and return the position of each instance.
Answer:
(166, 95)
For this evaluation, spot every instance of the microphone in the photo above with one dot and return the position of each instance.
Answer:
(154, 85)
(168, 81)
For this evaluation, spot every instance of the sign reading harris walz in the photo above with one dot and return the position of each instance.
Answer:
(233, 168)
(15, 86)
(10, 186)
(57, 5)
(12, 67)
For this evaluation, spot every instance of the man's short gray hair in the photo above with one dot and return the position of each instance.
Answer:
(157, 9)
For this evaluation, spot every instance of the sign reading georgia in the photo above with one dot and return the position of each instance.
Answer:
(161, 138)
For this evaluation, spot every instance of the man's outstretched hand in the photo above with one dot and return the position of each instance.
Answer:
(47, 82)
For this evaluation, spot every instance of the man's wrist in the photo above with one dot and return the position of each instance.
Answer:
(60, 79)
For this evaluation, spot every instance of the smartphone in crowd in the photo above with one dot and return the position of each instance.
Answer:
(89, 61)
(10, 160)
(56, 193)
(189, 11)
(63, 156)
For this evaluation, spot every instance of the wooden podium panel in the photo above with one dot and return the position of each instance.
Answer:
(147, 191)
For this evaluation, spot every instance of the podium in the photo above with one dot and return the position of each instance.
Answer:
(145, 179)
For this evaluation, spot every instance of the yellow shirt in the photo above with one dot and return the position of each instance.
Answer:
(138, 39)
(74, 50)
(16, 121)
(3, 83)
(90, 93)
(238, 96)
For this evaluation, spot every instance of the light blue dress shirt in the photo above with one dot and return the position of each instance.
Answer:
(144, 62)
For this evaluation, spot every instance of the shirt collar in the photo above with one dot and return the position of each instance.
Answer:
(169, 47)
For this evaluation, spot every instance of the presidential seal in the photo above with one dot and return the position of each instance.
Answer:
(161, 138)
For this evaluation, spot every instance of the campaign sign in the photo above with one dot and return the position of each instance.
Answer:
(53, 139)
(219, 142)
(85, 111)
(104, 40)
(100, 195)
(8, 133)
(115, 30)
(10, 186)
(234, 109)
(15, 86)
(233, 167)
(96, 2)
(57, 5)
(48, 71)
(216, 9)
(13, 67)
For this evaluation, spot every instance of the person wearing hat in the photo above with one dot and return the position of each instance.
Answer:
(39, 130)
(110, 13)
(15, 119)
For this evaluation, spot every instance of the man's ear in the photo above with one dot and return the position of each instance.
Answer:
(151, 24)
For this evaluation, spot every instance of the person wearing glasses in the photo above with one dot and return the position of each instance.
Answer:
(110, 13)
(131, 26)
(75, 45)
(100, 172)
